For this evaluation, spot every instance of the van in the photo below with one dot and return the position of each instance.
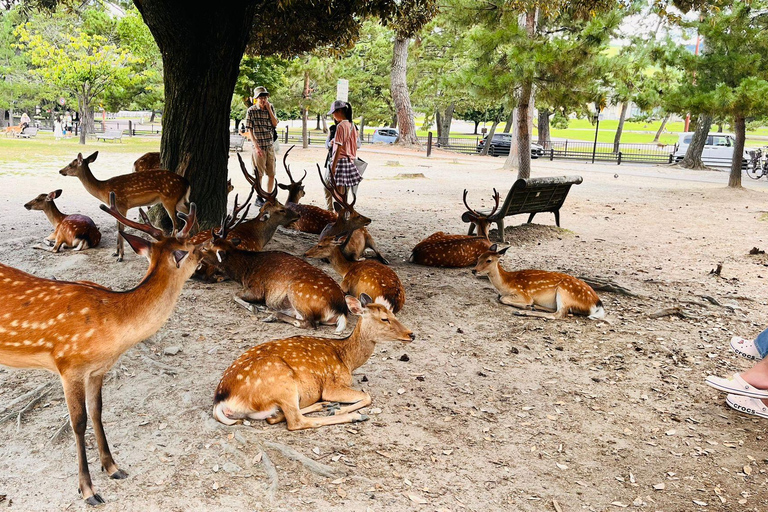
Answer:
(718, 151)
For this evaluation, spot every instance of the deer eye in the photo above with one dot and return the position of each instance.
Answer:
(385, 320)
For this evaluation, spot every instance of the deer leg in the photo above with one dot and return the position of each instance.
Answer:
(51, 239)
(120, 229)
(370, 243)
(93, 395)
(74, 392)
(516, 301)
(57, 246)
(346, 395)
(297, 421)
(82, 244)
(316, 407)
(170, 209)
(282, 317)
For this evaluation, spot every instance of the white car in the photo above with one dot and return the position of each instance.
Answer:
(718, 151)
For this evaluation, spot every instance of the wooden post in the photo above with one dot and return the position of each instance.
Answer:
(429, 144)
(618, 162)
(130, 128)
(286, 135)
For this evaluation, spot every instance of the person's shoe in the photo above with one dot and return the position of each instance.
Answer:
(747, 405)
(745, 348)
(736, 385)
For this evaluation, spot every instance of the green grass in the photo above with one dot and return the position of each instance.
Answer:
(44, 146)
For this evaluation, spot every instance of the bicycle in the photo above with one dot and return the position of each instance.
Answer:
(758, 167)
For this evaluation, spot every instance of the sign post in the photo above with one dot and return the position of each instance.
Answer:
(342, 89)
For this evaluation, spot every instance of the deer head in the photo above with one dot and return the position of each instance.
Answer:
(478, 219)
(295, 189)
(377, 322)
(488, 260)
(79, 164)
(42, 201)
(325, 247)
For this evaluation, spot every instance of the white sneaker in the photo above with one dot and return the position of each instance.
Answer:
(747, 405)
(745, 348)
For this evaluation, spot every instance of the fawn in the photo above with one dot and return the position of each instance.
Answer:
(136, 189)
(282, 380)
(555, 293)
(367, 276)
(76, 231)
(444, 250)
(78, 330)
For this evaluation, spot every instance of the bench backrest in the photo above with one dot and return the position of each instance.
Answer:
(537, 195)
(113, 133)
(29, 130)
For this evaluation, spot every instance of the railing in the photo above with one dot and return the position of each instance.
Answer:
(603, 152)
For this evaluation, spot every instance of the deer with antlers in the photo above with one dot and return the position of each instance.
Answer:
(555, 293)
(443, 250)
(298, 293)
(78, 330)
(284, 380)
(368, 276)
(312, 219)
(136, 189)
(76, 231)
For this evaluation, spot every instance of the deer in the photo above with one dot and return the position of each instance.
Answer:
(286, 379)
(147, 162)
(297, 293)
(137, 189)
(312, 219)
(443, 250)
(368, 276)
(75, 231)
(78, 330)
(555, 293)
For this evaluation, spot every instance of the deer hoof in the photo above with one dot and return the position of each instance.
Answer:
(94, 500)
(331, 408)
(383, 260)
(119, 475)
(362, 417)
(270, 319)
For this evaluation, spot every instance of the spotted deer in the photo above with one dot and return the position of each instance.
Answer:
(368, 276)
(147, 162)
(297, 293)
(75, 231)
(555, 293)
(78, 330)
(136, 189)
(284, 380)
(443, 250)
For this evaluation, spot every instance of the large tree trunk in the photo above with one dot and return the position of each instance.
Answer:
(510, 120)
(544, 128)
(444, 120)
(740, 129)
(622, 117)
(318, 122)
(400, 94)
(393, 124)
(201, 61)
(489, 138)
(325, 124)
(692, 158)
(661, 128)
(477, 123)
(86, 116)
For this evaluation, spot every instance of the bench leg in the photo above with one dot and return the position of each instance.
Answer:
(500, 230)
(530, 218)
(557, 217)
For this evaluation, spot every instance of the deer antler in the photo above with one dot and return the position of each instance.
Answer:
(230, 222)
(471, 210)
(189, 221)
(288, 167)
(332, 188)
(255, 183)
(496, 198)
(146, 227)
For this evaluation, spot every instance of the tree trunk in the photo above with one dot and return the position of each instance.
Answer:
(305, 112)
(740, 129)
(393, 124)
(720, 127)
(489, 138)
(622, 117)
(360, 133)
(201, 61)
(152, 117)
(661, 128)
(544, 128)
(10, 117)
(325, 124)
(400, 94)
(86, 117)
(318, 122)
(444, 124)
(477, 123)
(692, 158)
(510, 120)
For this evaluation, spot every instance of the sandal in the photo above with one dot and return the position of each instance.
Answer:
(745, 348)
(747, 405)
(736, 385)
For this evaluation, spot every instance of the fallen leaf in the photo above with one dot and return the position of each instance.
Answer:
(700, 503)
(747, 470)
(417, 499)
(341, 492)
(659, 487)
(561, 466)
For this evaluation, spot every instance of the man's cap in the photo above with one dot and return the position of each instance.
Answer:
(336, 105)
(258, 91)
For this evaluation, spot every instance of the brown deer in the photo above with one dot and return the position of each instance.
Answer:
(298, 293)
(443, 250)
(283, 380)
(137, 189)
(147, 162)
(76, 231)
(312, 219)
(555, 293)
(79, 330)
(370, 277)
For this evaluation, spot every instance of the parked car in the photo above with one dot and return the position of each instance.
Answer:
(386, 135)
(502, 142)
(718, 151)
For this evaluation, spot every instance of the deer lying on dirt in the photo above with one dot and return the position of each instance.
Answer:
(78, 330)
(443, 250)
(370, 277)
(555, 293)
(283, 380)
(76, 231)
(136, 189)
(298, 293)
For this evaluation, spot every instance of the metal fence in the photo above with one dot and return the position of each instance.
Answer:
(603, 152)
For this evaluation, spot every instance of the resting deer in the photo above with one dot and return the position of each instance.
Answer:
(147, 162)
(555, 293)
(79, 330)
(444, 250)
(137, 189)
(283, 380)
(75, 231)
(370, 277)
(298, 293)
(312, 219)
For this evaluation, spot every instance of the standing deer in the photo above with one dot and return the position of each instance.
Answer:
(443, 250)
(79, 330)
(282, 380)
(298, 293)
(370, 277)
(555, 293)
(137, 189)
(75, 231)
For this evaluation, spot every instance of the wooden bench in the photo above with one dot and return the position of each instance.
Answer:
(236, 142)
(532, 196)
(28, 132)
(110, 135)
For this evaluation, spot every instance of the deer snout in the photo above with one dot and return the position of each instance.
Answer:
(412, 336)
(28, 206)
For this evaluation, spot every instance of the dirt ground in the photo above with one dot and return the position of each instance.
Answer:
(485, 410)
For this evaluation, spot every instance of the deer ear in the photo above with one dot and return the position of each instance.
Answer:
(92, 157)
(264, 217)
(179, 256)
(354, 305)
(493, 248)
(79, 158)
(284, 187)
(53, 195)
(139, 245)
(504, 249)
(365, 299)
